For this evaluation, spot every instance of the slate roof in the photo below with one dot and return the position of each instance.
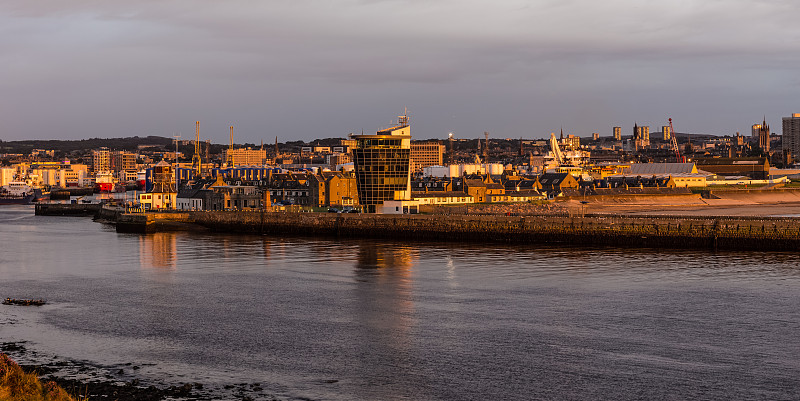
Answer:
(661, 168)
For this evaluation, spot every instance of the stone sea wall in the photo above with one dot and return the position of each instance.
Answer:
(648, 231)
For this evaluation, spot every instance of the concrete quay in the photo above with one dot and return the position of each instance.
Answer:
(711, 232)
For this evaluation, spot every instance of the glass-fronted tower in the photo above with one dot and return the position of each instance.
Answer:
(382, 164)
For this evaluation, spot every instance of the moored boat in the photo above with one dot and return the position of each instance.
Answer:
(16, 193)
(104, 182)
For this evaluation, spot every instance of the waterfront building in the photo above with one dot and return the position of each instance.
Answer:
(163, 193)
(791, 136)
(292, 189)
(753, 167)
(189, 199)
(482, 188)
(645, 169)
(235, 197)
(442, 197)
(382, 165)
(245, 157)
(555, 183)
(517, 197)
(330, 188)
(426, 154)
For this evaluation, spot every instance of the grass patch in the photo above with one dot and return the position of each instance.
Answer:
(16, 385)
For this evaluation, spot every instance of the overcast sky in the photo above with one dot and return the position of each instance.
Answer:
(303, 69)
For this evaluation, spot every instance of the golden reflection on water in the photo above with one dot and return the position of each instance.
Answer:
(158, 250)
(384, 295)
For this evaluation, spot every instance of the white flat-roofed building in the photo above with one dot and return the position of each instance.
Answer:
(442, 197)
(458, 170)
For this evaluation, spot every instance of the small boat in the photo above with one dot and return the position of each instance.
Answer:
(24, 302)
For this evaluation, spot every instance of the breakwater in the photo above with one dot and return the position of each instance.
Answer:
(718, 232)
(67, 209)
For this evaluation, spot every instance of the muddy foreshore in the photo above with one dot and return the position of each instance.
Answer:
(85, 380)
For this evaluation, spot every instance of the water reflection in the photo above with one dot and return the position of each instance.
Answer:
(385, 311)
(158, 250)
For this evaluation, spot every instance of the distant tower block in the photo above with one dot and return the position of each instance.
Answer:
(595, 136)
(645, 129)
(791, 136)
(666, 133)
(617, 133)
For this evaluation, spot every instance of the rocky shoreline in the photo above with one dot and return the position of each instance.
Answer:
(85, 380)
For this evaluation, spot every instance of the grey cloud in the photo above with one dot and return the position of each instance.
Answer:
(541, 59)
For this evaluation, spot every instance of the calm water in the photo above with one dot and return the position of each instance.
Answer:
(377, 320)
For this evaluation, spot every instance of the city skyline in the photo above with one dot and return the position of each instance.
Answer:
(303, 70)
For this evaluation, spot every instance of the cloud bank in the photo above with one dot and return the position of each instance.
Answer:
(305, 69)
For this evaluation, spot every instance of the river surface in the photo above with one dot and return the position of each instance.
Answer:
(326, 319)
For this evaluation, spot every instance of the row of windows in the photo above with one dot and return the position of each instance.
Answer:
(378, 143)
(401, 181)
(384, 167)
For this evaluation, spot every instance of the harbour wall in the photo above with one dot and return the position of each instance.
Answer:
(144, 223)
(66, 209)
(717, 232)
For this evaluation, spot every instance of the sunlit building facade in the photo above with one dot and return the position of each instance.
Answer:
(791, 136)
(426, 154)
(382, 166)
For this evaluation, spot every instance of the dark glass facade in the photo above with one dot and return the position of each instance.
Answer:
(382, 170)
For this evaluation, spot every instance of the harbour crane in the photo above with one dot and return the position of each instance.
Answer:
(197, 162)
(229, 160)
(675, 148)
(557, 155)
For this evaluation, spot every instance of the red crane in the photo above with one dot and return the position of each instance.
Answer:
(675, 148)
